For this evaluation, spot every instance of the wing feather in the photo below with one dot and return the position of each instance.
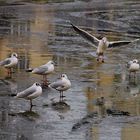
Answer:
(40, 70)
(86, 35)
(57, 84)
(26, 92)
(118, 43)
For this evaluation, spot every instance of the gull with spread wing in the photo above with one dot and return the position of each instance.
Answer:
(102, 44)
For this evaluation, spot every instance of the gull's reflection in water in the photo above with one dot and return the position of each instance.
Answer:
(4, 105)
(8, 86)
(100, 103)
(133, 88)
(21, 137)
(61, 107)
(29, 115)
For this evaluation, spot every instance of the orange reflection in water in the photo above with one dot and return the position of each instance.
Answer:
(29, 39)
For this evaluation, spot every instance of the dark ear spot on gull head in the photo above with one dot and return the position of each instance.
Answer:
(14, 54)
(64, 76)
(51, 62)
(38, 84)
(54, 63)
(135, 61)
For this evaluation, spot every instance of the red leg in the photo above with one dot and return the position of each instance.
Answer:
(45, 81)
(9, 72)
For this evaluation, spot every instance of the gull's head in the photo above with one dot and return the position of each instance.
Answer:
(64, 76)
(51, 62)
(37, 84)
(14, 55)
(135, 61)
(104, 39)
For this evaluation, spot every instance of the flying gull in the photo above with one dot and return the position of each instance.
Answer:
(102, 44)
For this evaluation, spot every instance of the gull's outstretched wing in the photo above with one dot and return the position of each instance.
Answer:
(118, 43)
(86, 35)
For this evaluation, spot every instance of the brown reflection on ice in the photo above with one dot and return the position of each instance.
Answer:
(130, 132)
(29, 39)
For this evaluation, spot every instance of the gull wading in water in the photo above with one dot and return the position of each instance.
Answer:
(9, 63)
(133, 66)
(61, 84)
(44, 70)
(30, 93)
(102, 44)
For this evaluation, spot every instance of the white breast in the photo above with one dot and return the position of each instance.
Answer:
(134, 67)
(101, 47)
(50, 69)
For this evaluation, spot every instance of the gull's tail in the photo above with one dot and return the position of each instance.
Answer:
(29, 70)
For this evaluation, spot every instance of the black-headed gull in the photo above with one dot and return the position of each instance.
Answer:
(102, 44)
(10, 62)
(61, 84)
(133, 66)
(44, 70)
(30, 93)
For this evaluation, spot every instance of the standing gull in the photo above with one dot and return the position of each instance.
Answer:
(9, 63)
(102, 44)
(61, 84)
(44, 70)
(133, 66)
(30, 93)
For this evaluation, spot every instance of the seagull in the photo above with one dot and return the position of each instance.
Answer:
(31, 93)
(133, 66)
(101, 45)
(61, 84)
(44, 70)
(10, 62)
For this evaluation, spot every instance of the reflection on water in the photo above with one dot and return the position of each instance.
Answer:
(61, 106)
(31, 115)
(39, 33)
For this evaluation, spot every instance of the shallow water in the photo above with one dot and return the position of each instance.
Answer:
(42, 32)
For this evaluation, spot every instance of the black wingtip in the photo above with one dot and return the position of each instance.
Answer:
(75, 27)
(13, 95)
(29, 70)
(72, 25)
